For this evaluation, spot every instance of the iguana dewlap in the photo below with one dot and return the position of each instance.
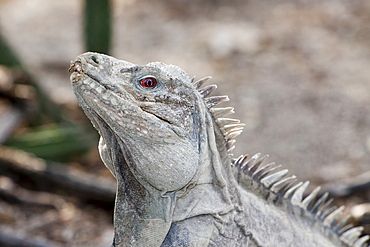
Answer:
(169, 148)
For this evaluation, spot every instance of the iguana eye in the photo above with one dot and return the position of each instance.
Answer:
(149, 82)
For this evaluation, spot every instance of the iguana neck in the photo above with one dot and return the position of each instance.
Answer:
(209, 196)
(209, 204)
(210, 191)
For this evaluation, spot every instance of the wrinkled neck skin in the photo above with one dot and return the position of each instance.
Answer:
(190, 216)
(170, 174)
(206, 210)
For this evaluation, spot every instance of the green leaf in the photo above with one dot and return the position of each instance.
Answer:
(54, 142)
(98, 25)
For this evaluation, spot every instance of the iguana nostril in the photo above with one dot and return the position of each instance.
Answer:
(95, 59)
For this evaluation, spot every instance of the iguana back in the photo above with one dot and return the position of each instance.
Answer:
(169, 148)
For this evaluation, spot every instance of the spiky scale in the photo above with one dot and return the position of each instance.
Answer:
(271, 169)
(278, 186)
(291, 190)
(361, 242)
(200, 82)
(232, 130)
(249, 164)
(243, 162)
(207, 90)
(221, 112)
(230, 143)
(258, 174)
(296, 198)
(342, 223)
(231, 135)
(256, 163)
(226, 121)
(230, 150)
(272, 178)
(327, 212)
(238, 160)
(351, 235)
(215, 100)
(307, 202)
(324, 208)
(232, 127)
(319, 203)
(345, 228)
(331, 219)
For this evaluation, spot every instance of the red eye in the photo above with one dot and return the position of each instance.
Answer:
(149, 82)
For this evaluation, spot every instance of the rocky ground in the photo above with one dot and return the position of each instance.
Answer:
(297, 73)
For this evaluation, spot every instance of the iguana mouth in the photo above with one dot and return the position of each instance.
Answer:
(75, 66)
(77, 72)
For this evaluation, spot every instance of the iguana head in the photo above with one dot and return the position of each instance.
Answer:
(157, 132)
(150, 109)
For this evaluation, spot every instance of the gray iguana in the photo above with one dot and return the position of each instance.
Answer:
(169, 148)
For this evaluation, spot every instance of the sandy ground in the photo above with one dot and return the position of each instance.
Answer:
(297, 72)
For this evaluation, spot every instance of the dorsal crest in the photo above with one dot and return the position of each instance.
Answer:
(287, 188)
(229, 127)
(275, 180)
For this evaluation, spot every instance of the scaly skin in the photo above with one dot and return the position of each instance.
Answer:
(168, 148)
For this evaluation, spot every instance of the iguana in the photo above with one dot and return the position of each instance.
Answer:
(169, 148)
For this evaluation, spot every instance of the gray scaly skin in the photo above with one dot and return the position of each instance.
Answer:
(177, 185)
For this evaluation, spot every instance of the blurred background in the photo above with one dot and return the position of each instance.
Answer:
(297, 73)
